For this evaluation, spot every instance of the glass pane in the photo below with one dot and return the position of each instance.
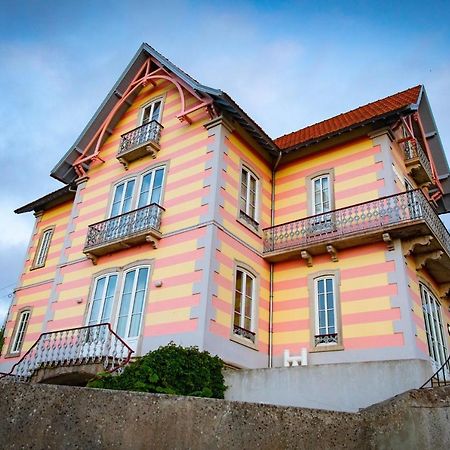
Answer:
(156, 110)
(121, 323)
(110, 290)
(330, 314)
(248, 306)
(146, 115)
(145, 187)
(329, 282)
(322, 319)
(96, 302)
(128, 197)
(237, 302)
(249, 287)
(239, 281)
(320, 286)
(142, 279)
(330, 302)
(115, 210)
(135, 325)
(247, 324)
(321, 301)
(156, 195)
(237, 319)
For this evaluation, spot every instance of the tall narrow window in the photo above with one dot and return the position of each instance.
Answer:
(321, 195)
(21, 328)
(244, 304)
(249, 197)
(433, 327)
(152, 112)
(151, 187)
(42, 250)
(103, 299)
(325, 304)
(132, 301)
(123, 198)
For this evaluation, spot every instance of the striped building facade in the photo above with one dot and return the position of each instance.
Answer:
(181, 220)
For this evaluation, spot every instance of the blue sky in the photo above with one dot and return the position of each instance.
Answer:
(287, 63)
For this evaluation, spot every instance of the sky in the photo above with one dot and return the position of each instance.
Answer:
(287, 63)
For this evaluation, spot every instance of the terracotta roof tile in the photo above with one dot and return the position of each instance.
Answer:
(353, 117)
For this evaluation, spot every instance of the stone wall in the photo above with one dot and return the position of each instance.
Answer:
(49, 416)
(340, 387)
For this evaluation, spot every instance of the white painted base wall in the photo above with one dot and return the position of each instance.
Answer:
(340, 387)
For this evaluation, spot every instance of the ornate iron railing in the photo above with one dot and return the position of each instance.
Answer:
(331, 338)
(441, 377)
(252, 222)
(127, 224)
(93, 344)
(356, 219)
(149, 132)
(413, 150)
(243, 332)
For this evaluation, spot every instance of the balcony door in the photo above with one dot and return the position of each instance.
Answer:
(124, 311)
(321, 204)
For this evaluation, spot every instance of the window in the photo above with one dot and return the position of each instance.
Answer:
(128, 197)
(124, 311)
(325, 301)
(320, 203)
(152, 111)
(21, 328)
(433, 327)
(244, 304)
(42, 249)
(249, 197)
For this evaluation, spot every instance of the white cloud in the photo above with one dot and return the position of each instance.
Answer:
(15, 230)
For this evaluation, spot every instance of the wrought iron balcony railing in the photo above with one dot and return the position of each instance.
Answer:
(139, 142)
(246, 334)
(441, 377)
(326, 339)
(130, 228)
(94, 344)
(378, 215)
(416, 158)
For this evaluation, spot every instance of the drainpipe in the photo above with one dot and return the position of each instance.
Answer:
(272, 221)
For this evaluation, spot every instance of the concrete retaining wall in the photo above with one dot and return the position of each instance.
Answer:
(49, 416)
(340, 387)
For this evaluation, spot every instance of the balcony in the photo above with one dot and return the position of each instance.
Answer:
(72, 356)
(140, 142)
(129, 229)
(417, 162)
(408, 216)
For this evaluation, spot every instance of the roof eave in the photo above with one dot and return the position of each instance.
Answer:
(411, 107)
(55, 198)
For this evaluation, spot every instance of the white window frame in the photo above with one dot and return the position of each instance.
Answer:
(138, 180)
(151, 106)
(132, 339)
(43, 248)
(328, 326)
(313, 194)
(241, 334)
(434, 329)
(21, 329)
(108, 277)
(244, 209)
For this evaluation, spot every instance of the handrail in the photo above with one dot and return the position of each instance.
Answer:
(43, 356)
(446, 378)
(142, 126)
(388, 211)
(139, 136)
(124, 225)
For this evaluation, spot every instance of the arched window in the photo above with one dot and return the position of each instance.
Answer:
(20, 330)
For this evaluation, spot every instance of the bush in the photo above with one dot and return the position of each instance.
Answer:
(171, 369)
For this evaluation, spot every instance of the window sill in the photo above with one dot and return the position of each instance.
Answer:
(11, 355)
(255, 231)
(327, 348)
(36, 267)
(245, 342)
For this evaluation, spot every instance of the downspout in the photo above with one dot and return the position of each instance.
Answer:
(272, 222)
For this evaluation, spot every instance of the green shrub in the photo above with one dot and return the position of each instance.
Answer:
(171, 369)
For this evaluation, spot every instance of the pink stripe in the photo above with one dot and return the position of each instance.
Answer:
(171, 328)
(222, 281)
(293, 283)
(219, 330)
(221, 305)
(312, 166)
(34, 303)
(390, 340)
(373, 269)
(185, 278)
(371, 317)
(176, 201)
(415, 297)
(376, 185)
(372, 168)
(68, 285)
(175, 218)
(294, 325)
(230, 181)
(179, 259)
(179, 184)
(294, 192)
(175, 303)
(52, 220)
(294, 348)
(287, 305)
(418, 321)
(35, 289)
(63, 324)
(361, 294)
(243, 143)
(299, 208)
